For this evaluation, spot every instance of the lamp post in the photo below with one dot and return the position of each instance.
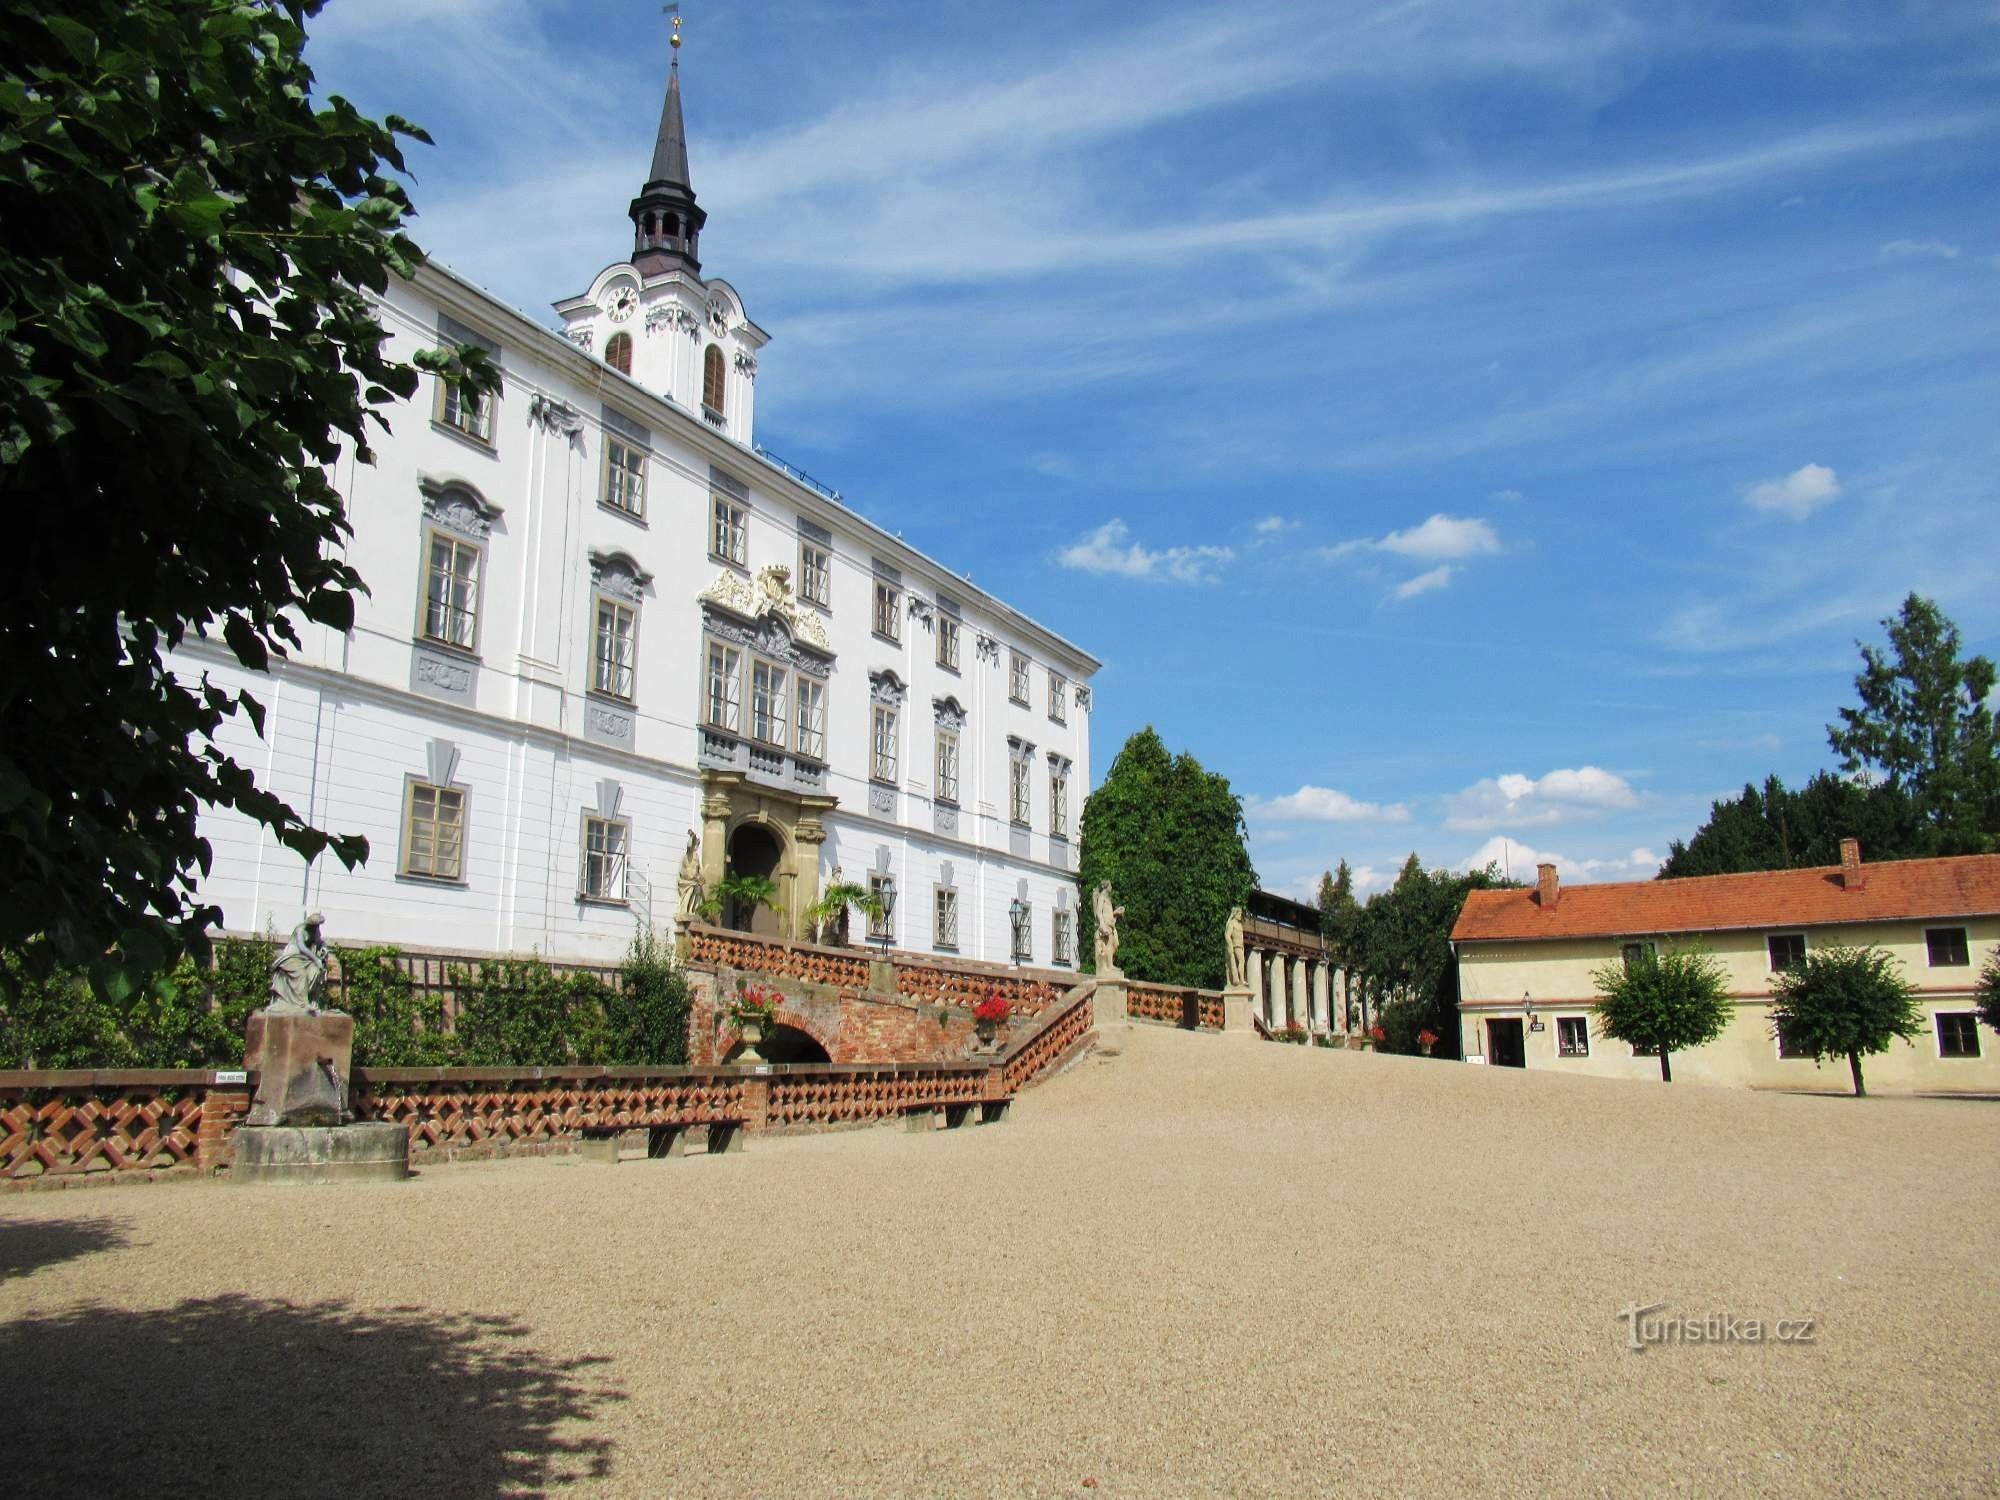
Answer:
(1017, 913)
(885, 892)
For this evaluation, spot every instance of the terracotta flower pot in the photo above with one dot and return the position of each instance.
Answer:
(751, 1029)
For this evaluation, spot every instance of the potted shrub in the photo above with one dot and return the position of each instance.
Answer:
(988, 1016)
(755, 1005)
(1427, 1039)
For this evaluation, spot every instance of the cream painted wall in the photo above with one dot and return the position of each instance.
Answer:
(1494, 978)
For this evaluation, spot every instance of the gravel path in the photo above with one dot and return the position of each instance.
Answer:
(1199, 1266)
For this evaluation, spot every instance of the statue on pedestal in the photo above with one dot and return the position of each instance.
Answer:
(688, 883)
(301, 1051)
(1232, 938)
(298, 973)
(1106, 916)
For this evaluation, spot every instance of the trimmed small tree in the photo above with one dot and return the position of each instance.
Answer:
(1845, 1002)
(1987, 992)
(1663, 1002)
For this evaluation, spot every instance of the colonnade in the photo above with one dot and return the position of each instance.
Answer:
(1290, 989)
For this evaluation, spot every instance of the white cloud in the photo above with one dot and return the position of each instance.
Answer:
(1320, 804)
(1110, 549)
(1513, 858)
(1274, 526)
(1442, 537)
(1516, 801)
(1798, 494)
(1505, 497)
(1423, 583)
(1918, 250)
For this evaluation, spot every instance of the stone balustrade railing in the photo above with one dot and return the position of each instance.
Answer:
(1189, 1009)
(931, 981)
(720, 948)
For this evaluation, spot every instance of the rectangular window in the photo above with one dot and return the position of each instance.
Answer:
(729, 541)
(1786, 948)
(434, 832)
(888, 610)
(451, 597)
(815, 573)
(725, 687)
(1017, 678)
(1958, 1033)
(881, 929)
(466, 412)
(1636, 953)
(624, 476)
(1786, 1049)
(604, 842)
(1061, 939)
(947, 643)
(885, 743)
(617, 649)
(811, 698)
(1059, 804)
(1947, 947)
(944, 918)
(1572, 1036)
(947, 765)
(1018, 800)
(767, 702)
(1058, 698)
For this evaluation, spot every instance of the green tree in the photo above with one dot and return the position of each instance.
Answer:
(647, 1017)
(1169, 836)
(1987, 992)
(1663, 1002)
(1775, 828)
(186, 346)
(1925, 724)
(1397, 950)
(1844, 1002)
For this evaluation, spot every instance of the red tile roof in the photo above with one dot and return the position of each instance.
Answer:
(1892, 890)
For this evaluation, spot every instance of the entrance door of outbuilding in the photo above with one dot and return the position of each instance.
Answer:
(1505, 1046)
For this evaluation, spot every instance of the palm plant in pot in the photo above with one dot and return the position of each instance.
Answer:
(742, 894)
(824, 915)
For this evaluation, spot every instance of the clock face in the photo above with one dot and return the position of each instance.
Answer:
(718, 317)
(622, 302)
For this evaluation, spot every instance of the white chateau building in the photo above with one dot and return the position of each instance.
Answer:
(601, 621)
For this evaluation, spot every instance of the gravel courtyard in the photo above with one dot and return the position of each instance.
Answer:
(1199, 1266)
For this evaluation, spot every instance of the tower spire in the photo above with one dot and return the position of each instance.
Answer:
(666, 220)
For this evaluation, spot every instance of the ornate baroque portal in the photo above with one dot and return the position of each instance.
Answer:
(748, 780)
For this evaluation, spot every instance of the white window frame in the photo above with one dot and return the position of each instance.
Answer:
(815, 573)
(809, 698)
(883, 758)
(602, 870)
(614, 673)
(435, 617)
(1021, 943)
(948, 632)
(465, 412)
(624, 476)
(947, 765)
(1059, 804)
(722, 686)
(1020, 797)
(769, 715)
(729, 530)
(1062, 943)
(1563, 1050)
(888, 616)
(1058, 697)
(416, 788)
(1017, 677)
(944, 917)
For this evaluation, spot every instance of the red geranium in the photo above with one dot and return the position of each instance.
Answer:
(1378, 1033)
(757, 1002)
(1427, 1037)
(992, 1009)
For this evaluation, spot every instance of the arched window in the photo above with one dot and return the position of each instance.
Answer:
(711, 379)
(618, 353)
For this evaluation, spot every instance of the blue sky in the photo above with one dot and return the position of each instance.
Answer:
(1455, 426)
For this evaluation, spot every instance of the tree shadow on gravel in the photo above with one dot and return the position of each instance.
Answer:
(27, 1245)
(240, 1396)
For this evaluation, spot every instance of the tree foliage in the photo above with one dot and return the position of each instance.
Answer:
(1844, 1002)
(1925, 725)
(1169, 836)
(1986, 994)
(1664, 1002)
(1775, 828)
(186, 343)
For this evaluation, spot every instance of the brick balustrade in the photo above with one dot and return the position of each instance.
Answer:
(1190, 1009)
(719, 948)
(925, 979)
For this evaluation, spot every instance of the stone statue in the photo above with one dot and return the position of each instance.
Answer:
(1232, 938)
(688, 885)
(1107, 917)
(298, 973)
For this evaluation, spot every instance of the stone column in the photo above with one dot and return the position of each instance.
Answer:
(714, 836)
(1322, 995)
(1275, 1017)
(1301, 995)
(1253, 970)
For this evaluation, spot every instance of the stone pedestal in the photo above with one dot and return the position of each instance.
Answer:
(302, 1059)
(369, 1152)
(1108, 1012)
(1236, 1012)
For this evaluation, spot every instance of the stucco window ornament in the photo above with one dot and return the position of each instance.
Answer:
(746, 364)
(950, 712)
(886, 687)
(556, 416)
(987, 649)
(769, 594)
(581, 337)
(920, 609)
(458, 507)
(618, 575)
(1082, 695)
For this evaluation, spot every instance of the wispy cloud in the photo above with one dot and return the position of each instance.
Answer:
(1798, 494)
(1425, 583)
(1918, 250)
(1319, 804)
(1110, 549)
(1562, 796)
(1273, 526)
(1514, 858)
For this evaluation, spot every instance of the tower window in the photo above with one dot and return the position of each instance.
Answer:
(711, 379)
(618, 353)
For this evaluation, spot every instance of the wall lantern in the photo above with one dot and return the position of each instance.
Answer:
(885, 892)
(1017, 913)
